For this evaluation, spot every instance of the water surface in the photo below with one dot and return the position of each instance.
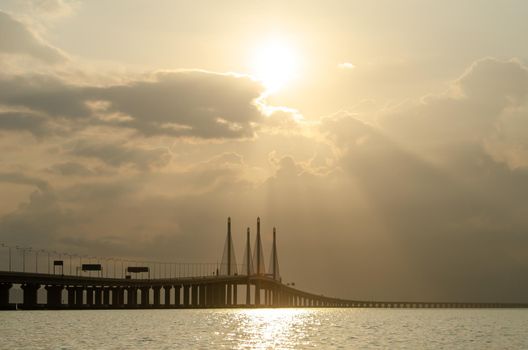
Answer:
(266, 329)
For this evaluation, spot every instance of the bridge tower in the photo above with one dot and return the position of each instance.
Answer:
(228, 265)
(248, 268)
(274, 261)
(259, 254)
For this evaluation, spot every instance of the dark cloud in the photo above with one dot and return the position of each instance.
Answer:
(22, 179)
(117, 154)
(45, 94)
(20, 121)
(71, 169)
(16, 38)
(192, 104)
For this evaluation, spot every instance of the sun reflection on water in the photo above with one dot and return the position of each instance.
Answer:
(272, 328)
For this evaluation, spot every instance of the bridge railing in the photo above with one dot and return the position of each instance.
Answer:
(28, 259)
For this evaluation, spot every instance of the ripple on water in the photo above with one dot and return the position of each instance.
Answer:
(265, 329)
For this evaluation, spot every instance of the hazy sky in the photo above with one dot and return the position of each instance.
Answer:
(386, 140)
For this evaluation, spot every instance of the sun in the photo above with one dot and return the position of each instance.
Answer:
(275, 63)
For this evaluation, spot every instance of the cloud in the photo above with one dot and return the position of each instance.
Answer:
(20, 121)
(486, 106)
(22, 179)
(192, 104)
(71, 169)
(188, 103)
(118, 154)
(18, 39)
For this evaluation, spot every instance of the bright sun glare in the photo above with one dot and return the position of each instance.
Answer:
(275, 64)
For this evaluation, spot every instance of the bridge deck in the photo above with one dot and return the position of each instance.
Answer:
(187, 292)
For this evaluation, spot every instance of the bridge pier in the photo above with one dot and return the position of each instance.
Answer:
(54, 296)
(235, 294)
(106, 296)
(118, 295)
(30, 295)
(131, 296)
(186, 295)
(177, 295)
(223, 300)
(4, 295)
(79, 294)
(167, 290)
(89, 296)
(202, 295)
(71, 296)
(145, 291)
(157, 295)
(248, 293)
(194, 295)
(98, 291)
(257, 293)
(229, 294)
(210, 295)
(215, 295)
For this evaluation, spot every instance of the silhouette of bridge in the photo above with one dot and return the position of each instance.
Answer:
(91, 284)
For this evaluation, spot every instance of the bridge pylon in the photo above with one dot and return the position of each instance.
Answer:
(248, 267)
(228, 266)
(258, 258)
(274, 260)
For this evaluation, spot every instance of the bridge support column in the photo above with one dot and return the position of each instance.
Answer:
(209, 295)
(131, 296)
(248, 293)
(106, 296)
(276, 297)
(157, 295)
(4, 295)
(229, 294)
(177, 295)
(186, 295)
(145, 294)
(167, 290)
(257, 293)
(235, 294)
(54, 296)
(71, 296)
(30, 295)
(201, 295)
(194, 295)
(222, 299)
(98, 291)
(118, 297)
(79, 294)
(89, 296)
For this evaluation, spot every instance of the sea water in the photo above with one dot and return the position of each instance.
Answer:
(266, 329)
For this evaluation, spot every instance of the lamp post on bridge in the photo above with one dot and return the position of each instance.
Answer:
(9, 254)
(71, 263)
(49, 260)
(23, 250)
(114, 261)
(36, 259)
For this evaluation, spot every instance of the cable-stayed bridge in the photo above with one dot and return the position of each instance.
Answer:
(70, 281)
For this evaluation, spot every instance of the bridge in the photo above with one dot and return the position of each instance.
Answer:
(162, 285)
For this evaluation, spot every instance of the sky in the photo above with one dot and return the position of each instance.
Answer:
(387, 141)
